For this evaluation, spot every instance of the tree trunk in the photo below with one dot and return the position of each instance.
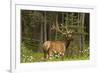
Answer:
(45, 26)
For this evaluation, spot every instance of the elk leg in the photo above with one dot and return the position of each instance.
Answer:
(45, 54)
(50, 54)
(62, 56)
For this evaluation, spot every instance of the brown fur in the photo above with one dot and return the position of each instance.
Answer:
(53, 47)
(56, 47)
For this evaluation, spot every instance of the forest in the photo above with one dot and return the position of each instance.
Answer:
(36, 28)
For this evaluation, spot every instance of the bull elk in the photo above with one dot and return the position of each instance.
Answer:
(51, 48)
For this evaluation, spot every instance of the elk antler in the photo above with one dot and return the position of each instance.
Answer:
(61, 29)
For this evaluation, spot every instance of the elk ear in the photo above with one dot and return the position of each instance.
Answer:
(71, 32)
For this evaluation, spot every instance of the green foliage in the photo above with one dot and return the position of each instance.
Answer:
(28, 55)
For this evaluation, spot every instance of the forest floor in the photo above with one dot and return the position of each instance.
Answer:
(29, 56)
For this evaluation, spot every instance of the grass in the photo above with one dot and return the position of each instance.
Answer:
(30, 56)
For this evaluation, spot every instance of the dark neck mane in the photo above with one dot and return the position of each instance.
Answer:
(67, 42)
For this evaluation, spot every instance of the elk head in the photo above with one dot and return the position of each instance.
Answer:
(63, 29)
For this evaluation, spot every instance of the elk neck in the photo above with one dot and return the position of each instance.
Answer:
(67, 42)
